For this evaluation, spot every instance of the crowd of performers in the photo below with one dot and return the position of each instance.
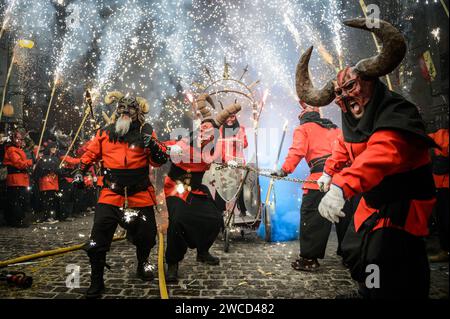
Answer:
(36, 185)
(378, 178)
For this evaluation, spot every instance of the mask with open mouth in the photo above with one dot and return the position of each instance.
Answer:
(352, 89)
(352, 92)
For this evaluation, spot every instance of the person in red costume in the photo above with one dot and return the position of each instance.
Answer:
(46, 173)
(439, 158)
(313, 140)
(17, 180)
(194, 219)
(231, 145)
(127, 148)
(383, 155)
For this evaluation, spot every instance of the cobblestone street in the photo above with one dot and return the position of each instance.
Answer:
(252, 268)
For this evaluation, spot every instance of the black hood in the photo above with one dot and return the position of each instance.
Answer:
(314, 117)
(385, 110)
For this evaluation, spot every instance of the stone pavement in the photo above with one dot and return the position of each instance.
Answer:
(252, 268)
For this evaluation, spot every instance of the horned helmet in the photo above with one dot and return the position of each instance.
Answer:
(135, 107)
(209, 122)
(353, 86)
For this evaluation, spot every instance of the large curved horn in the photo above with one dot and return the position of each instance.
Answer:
(391, 54)
(110, 97)
(143, 104)
(202, 107)
(226, 112)
(305, 89)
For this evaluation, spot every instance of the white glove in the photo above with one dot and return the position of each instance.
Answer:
(324, 182)
(232, 164)
(331, 205)
(175, 150)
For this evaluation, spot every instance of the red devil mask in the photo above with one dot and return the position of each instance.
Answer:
(352, 92)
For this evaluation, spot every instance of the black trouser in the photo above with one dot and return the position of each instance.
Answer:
(192, 224)
(442, 213)
(314, 229)
(349, 210)
(49, 205)
(18, 205)
(403, 264)
(221, 204)
(66, 201)
(79, 201)
(141, 231)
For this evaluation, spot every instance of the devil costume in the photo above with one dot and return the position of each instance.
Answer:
(382, 155)
(127, 197)
(194, 219)
(313, 140)
(231, 145)
(46, 173)
(17, 181)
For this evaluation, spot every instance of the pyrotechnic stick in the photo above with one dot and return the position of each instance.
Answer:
(86, 114)
(269, 190)
(364, 10)
(244, 72)
(46, 116)
(208, 73)
(5, 87)
(445, 7)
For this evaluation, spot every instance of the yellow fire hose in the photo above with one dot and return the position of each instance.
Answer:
(162, 278)
(57, 251)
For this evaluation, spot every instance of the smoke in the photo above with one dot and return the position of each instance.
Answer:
(117, 37)
(82, 25)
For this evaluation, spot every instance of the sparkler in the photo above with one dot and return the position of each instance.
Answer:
(55, 83)
(87, 111)
(7, 17)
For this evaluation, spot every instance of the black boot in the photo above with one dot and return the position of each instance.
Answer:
(207, 258)
(97, 286)
(172, 273)
(145, 271)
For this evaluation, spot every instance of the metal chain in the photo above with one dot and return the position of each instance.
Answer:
(264, 172)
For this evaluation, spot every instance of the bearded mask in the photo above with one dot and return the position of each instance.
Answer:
(353, 87)
(133, 107)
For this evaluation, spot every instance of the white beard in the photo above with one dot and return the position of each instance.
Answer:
(123, 125)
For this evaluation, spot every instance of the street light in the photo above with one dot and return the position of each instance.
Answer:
(25, 44)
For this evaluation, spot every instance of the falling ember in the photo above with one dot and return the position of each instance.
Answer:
(190, 97)
(265, 95)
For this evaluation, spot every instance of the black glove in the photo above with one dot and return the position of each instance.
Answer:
(279, 173)
(157, 149)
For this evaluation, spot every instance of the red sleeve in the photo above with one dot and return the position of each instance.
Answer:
(339, 157)
(71, 160)
(93, 150)
(388, 152)
(297, 150)
(16, 160)
(244, 137)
